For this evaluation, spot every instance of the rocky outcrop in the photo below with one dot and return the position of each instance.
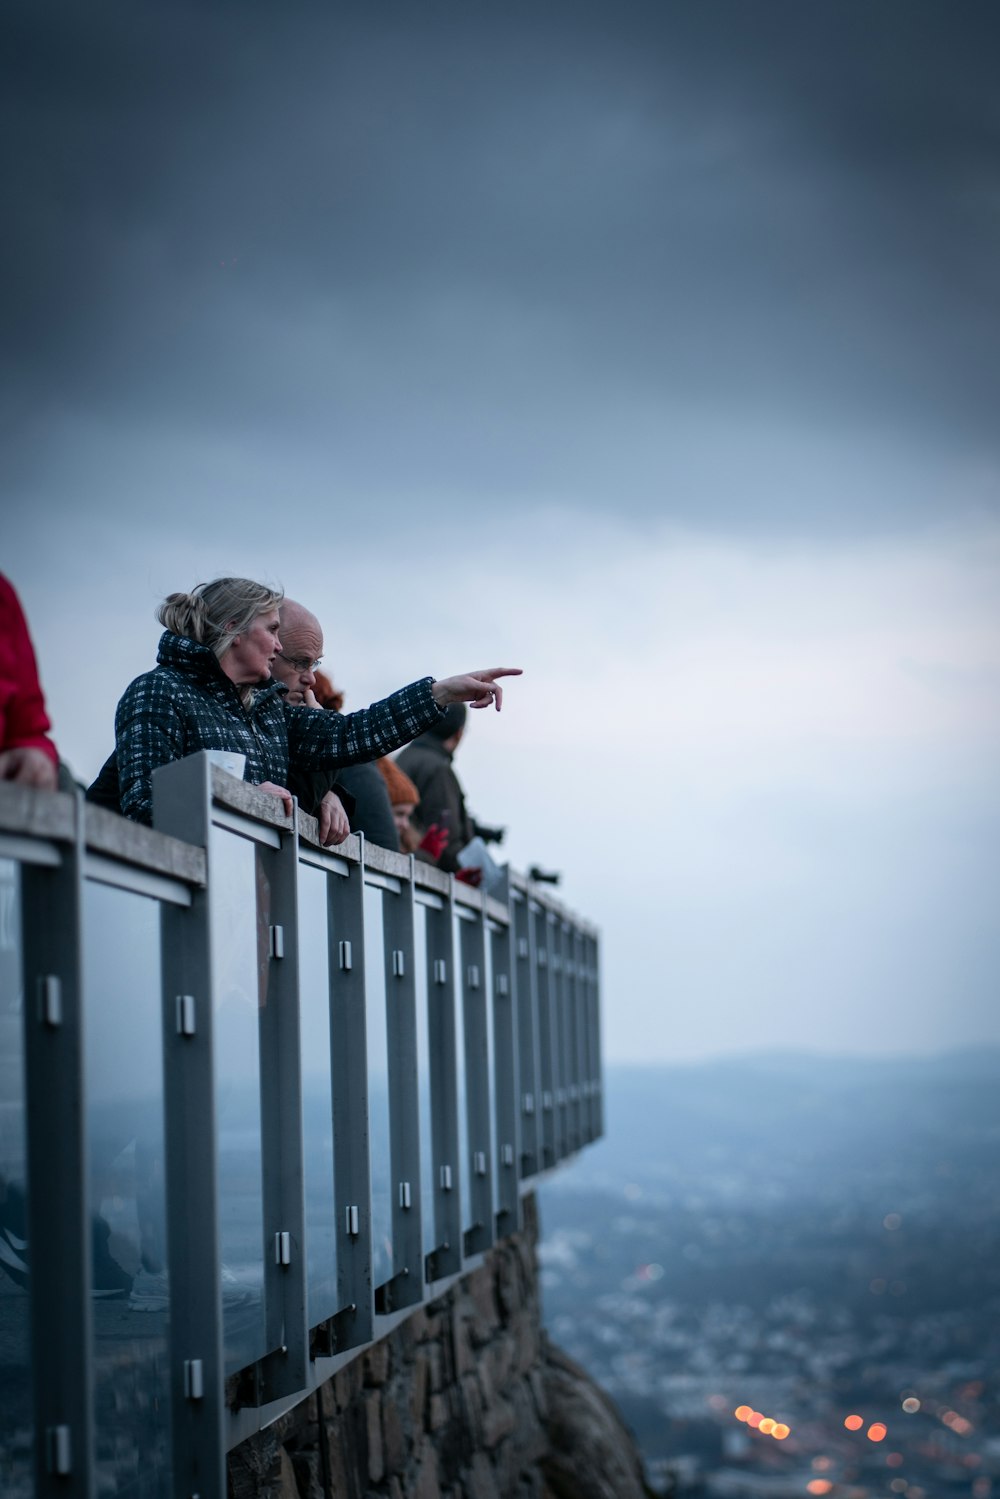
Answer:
(590, 1453)
(466, 1399)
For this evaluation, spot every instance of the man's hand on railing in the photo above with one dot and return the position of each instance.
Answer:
(477, 688)
(334, 823)
(282, 791)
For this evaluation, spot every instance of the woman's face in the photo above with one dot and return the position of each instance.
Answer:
(248, 659)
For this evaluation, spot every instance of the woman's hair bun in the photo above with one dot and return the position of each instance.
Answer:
(184, 614)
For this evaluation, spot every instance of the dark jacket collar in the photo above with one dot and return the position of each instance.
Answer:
(201, 665)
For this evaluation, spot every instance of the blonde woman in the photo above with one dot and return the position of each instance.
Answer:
(211, 689)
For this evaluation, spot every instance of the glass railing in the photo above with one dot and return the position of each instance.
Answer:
(258, 1099)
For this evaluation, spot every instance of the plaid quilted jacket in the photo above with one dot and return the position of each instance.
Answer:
(187, 703)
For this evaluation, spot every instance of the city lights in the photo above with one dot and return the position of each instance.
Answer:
(876, 1432)
(764, 1424)
(819, 1486)
(854, 1423)
(911, 1405)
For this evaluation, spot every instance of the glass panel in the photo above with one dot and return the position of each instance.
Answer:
(123, 1066)
(561, 1018)
(239, 957)
(464, 1147)
(545, 1104)
(317, 1095)
(424, 1082)
(488, 1145)
(378, 1089)
(15, 1359)
(529, 1101)
(574, 1040)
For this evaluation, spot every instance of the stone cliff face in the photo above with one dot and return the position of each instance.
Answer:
(465, 1399)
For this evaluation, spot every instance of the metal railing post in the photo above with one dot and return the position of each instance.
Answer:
(481, 1232)
(560, 1032)
(579, 1092)
(286, 1368)
(59, 1239)
(446, 1257)
(505, 1070)
(182, 806)
(596, 1060)
(355, 1322)
(398, 916)
(526, 986)
(551, 1141)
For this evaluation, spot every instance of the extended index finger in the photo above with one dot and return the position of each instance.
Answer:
(499, 671)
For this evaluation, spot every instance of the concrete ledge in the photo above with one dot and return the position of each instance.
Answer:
(385, 861)
(467, 895)
(241, 796)
(131, 842)
(51, 815)
(496, 910)
(429, 877)
(36, 814)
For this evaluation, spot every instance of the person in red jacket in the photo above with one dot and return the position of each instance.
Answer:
(27, 754)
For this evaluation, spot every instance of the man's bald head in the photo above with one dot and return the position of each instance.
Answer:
(301, 648)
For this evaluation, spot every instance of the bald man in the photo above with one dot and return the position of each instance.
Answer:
(295, 667)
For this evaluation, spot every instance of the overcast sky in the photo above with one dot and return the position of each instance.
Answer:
(653, 348)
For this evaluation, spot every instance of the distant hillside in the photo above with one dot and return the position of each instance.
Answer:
(789, 1112)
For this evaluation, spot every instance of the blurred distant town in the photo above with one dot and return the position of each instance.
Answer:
(787, 1274)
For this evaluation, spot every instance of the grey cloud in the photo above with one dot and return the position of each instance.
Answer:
(509, 249)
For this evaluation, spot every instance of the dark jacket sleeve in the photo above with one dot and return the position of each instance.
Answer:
(104, 790)
(318, 740)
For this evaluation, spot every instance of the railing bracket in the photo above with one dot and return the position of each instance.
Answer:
(185, 1015)
(50, 1014)
(194, 1379)
(59, 1451)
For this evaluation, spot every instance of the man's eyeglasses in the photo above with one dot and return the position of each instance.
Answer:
(301, 664)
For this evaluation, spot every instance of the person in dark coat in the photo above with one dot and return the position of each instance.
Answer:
(427, 761)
